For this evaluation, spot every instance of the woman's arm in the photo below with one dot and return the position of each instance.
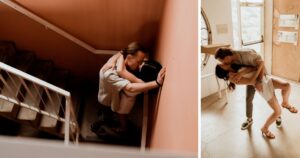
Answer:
(122, 72)
(244, 70)
(248, 81)
(111, 62)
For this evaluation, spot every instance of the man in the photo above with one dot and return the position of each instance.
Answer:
(118, 87)
(247, 57)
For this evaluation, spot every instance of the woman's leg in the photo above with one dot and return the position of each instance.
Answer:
(276, 113)
(285, 92)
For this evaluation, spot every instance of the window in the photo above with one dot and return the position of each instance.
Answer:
(252, 24)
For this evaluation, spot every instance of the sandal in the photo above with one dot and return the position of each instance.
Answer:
(292, 109)
(267, 134)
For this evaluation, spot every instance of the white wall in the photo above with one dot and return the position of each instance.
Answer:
(218, 12)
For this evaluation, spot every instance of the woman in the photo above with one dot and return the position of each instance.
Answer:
(249, 77)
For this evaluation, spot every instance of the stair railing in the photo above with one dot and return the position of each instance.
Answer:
(44, 91)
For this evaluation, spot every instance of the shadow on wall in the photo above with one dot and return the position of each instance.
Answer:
(148, 35)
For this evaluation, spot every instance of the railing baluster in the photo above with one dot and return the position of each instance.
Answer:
(40, 95)
(9, 88)
(67, 121)
(49, 96)
(14, 83)
(60, 103)
(27, 88)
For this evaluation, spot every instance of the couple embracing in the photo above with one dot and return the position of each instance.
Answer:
(246, 67)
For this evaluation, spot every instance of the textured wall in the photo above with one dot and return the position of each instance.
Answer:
(176, 124)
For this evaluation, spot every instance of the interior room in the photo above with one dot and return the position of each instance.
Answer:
(242, 122)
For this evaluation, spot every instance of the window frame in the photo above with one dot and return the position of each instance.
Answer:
(261, 40)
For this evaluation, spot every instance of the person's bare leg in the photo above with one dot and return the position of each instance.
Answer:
(285, 92)
(273, 103)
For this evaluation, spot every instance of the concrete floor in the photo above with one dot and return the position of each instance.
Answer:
(221, 136)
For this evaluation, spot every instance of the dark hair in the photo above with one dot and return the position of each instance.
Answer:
(132, 49)
(221, 53)
(224, 74)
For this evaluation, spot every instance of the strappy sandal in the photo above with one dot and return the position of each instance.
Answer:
(292, 109)
(267, 134)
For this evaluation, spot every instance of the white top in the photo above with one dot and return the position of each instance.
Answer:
(110, 86)
(268, 89)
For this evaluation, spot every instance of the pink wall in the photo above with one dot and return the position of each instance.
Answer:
(176, 125)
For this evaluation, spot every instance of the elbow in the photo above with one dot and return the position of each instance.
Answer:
(120, 72)
(130, 88)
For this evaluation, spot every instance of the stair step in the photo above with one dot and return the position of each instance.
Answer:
(7, 51)
(49, 122)
(23, 61)
(76, 103)
(58, 78)
(42, 70)
(34, 100)
(12, 92)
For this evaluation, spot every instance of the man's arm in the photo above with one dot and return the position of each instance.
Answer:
(122, 72)
(262, 72)
(141, 87)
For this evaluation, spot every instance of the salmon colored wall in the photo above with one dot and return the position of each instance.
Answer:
(176, 125)
(105, 24)
(47, 45)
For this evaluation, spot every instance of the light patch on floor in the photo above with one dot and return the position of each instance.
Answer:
(221, 136)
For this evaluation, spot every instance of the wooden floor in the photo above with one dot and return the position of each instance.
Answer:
(221, 136)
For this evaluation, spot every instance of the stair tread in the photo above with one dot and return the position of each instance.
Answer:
(41, 69)
(34, 100)
(6, 106)
(47, 121)
(59, 78)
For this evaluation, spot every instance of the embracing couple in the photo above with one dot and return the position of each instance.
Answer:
(246, 67)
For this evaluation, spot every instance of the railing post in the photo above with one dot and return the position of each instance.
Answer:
(67, 120)
(145, 122)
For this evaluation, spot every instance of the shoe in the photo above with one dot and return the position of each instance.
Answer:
(291, 108)
(278, 122)
(266, 133)
(247, 124)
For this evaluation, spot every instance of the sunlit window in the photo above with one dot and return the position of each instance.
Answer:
(251, 18)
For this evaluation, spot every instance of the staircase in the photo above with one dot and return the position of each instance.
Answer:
(32, 93)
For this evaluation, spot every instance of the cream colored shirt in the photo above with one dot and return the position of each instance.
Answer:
(110, 86)
(248, 57)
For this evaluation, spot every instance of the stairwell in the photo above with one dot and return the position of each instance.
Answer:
(29, 93)
(24, 121)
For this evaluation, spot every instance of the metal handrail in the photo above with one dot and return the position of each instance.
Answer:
(69, 112)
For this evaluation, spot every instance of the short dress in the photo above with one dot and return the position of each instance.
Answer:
(268, 88)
